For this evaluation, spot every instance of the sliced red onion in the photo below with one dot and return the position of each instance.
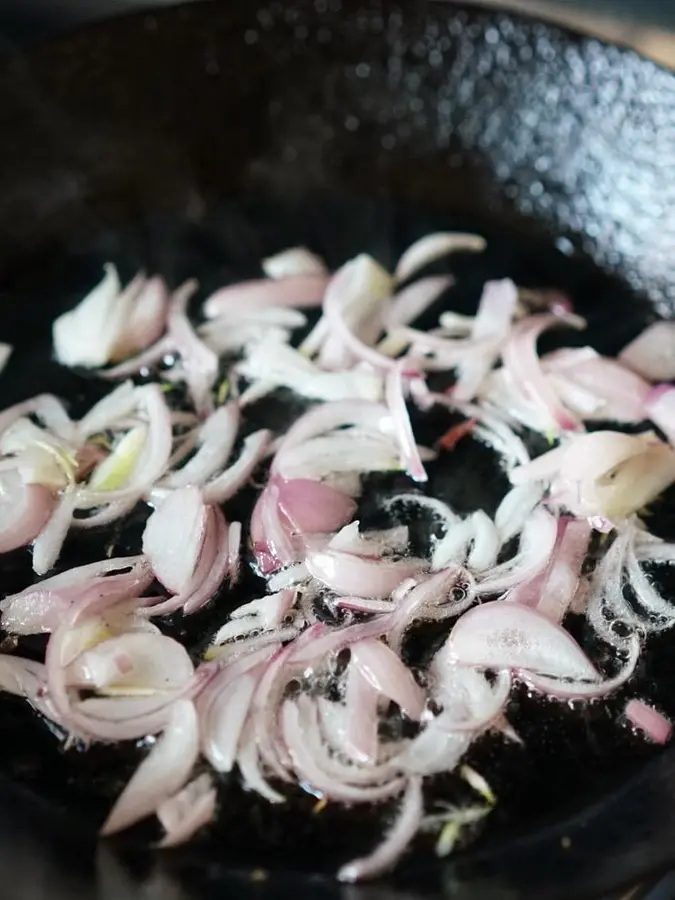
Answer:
(536, 545)
(23, 437)
(340, 458)
(442, 595)
(660, 407)
(325, 641)
(249, 768)
(209, 574)
(515, 508)
(270, 534)
(47, 545)
(280, 365)
(147, 319)
(562, 579)
(432, 351)
(348, 290)
(199, 363)
(501, 635)
(364, 605)
(189, 810)
(522, 365)
(288, 577)
(107, 514)
(223, 487)
(132, 663)
(383, 669)
(496, 309)
(153, 460)
(353, 575)
(438, 748)
(292, 290)
(24, 510)
(263, 725)
(374, 543)
(410, 458)
(361, 717)
(652, 353)
(134, 574)
(99, 600)
(293, 261)
(395, 843)
(655, 725)
(307, 769)
(266, 613)
(486, 542)
(605, 473)
(595, 387)
(174, 537)
(227, 338)
(225, 720)
(330, 416)
(353, 308)
(242, 647)
(434, 246)
(216, 439)
(85, 335)
(48, 409)
(27, 678)
(569, 689)
(162, 773)
(470, 702)
(312, 507)
(414, 299)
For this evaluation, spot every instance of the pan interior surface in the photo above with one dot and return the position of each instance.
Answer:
(348, 127)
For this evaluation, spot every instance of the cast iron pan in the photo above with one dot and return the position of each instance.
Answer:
(196, 140)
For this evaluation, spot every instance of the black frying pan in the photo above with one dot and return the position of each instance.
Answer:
(196, 139)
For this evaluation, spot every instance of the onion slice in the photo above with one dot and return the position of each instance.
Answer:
(652, 353)
(25, 509)
(396, 842)
(293, 290)
(410, 457)
(434, 246)
(523, 367)
(293, 261)
(352, 575)
(501, 635)
(651, 721)
(189, 810)
(383, 669)
(174, 536)
(162, 773)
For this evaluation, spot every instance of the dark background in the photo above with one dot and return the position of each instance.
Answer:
(22, 20)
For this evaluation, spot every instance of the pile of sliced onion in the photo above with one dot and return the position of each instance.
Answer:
(282, 697)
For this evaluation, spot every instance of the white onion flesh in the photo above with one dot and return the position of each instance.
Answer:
(162, 774)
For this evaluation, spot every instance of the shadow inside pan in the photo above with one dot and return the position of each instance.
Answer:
(357, 127)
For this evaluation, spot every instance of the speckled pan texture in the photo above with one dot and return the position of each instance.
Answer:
(425, 101)
(127, 141)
